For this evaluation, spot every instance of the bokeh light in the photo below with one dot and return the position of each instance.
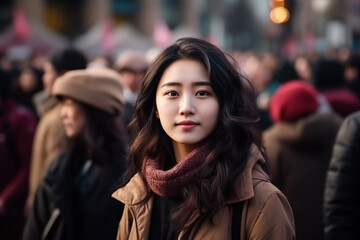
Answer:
(279, 15)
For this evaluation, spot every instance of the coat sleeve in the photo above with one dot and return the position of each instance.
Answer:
(342, 190)
(269, 215)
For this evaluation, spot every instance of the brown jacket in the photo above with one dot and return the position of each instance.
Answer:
(46, 146)
(266, 212)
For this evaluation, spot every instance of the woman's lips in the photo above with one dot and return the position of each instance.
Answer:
(187, 124)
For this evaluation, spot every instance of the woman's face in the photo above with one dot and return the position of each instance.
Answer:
(27, 81)
(49, 76)
(73, 117)
(186, 103)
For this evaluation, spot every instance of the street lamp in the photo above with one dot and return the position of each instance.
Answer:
(279, 12)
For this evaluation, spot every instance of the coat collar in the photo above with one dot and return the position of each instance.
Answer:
(135, 190)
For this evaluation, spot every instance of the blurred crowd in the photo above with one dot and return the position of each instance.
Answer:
(305, 105)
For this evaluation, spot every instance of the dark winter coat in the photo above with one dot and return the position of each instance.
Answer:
(342, 190)
(74, 201)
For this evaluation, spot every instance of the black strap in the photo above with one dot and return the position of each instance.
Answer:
(236, 220)
(9, 139)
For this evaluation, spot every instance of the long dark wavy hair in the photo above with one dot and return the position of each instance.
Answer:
(236, 130)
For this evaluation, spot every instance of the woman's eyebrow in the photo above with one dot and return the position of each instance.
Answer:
(203, 83)
(171, 84)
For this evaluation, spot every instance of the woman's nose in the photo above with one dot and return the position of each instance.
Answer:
(62, 111)
(186, 106)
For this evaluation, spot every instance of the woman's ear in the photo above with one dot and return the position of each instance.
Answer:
(156, 113)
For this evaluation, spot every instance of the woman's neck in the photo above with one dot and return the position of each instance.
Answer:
(181, 150)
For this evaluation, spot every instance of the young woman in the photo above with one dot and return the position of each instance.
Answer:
(74, 201)
(196, 163)
(49, 132)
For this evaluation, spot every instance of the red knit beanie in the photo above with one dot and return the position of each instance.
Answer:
(292, 101)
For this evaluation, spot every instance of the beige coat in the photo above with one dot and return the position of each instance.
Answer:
(266, 212)
(46, 146)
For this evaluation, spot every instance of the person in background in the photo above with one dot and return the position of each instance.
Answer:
(49, 131)
(329, 80)
(132, 66)
(28, 84)
(352, 73)
(303, 67)
(196, 163)
(58, 63)
(299, 149)
(261, 73)
(102, 61)
(73, 200)
(17, 128)
(342, 188)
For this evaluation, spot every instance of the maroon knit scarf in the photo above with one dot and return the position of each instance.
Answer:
(170, 183)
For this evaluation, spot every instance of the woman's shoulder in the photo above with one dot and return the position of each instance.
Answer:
(269, 211)
(254, 183)
(133, 192)
(265, 191)
(259, 186)
(252, 174)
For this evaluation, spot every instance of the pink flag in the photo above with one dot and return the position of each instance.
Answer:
(162, 35)
(22, 31)
(107, 38)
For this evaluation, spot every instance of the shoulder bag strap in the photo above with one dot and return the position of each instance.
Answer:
(236, 220)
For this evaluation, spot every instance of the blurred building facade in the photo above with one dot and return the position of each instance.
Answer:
(232, 24)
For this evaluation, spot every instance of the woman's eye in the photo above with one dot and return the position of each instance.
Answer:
(172, 93)
(202, 93)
